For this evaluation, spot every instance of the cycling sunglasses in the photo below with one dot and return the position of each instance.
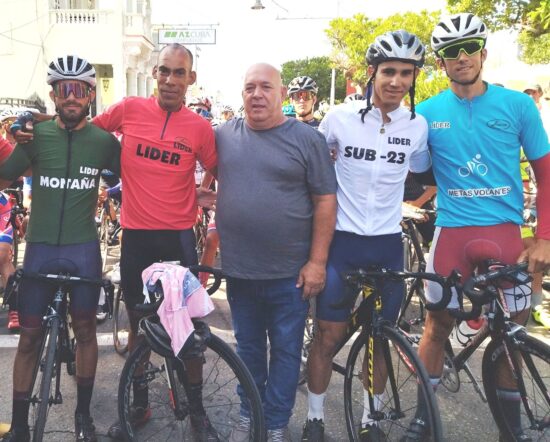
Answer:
(302, 95)
(470, 47)
(62, 89)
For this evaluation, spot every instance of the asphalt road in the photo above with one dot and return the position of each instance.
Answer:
(465, 417)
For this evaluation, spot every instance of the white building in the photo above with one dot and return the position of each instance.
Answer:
(114, 35)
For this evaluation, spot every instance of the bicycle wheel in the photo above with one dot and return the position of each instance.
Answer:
(411, 316)
(40, 397)
(533, 359)
(222, 372)
(121, 324)
(399, 402)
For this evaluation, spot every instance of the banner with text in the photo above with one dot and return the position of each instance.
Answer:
(188, 36)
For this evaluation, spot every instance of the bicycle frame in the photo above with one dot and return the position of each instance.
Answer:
(55, 310)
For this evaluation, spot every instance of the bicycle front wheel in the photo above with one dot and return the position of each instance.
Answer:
(121, 324)
(223, 374)
(41, 400)
(407, 380)
(532, 359)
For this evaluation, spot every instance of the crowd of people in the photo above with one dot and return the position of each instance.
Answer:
(325, 198)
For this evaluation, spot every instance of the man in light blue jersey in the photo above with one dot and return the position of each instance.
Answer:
(476, 131)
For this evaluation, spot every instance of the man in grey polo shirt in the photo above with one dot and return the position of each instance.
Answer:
(276, 213)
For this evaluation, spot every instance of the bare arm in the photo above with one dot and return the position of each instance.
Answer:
(312, 274)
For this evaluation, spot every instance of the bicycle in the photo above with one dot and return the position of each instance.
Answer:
(57, 345)
(17, 213)
(413, 260)
(222, 375)
(400, 364)
(526, 358)
(201, 229)
(121, 323)
(105, 235)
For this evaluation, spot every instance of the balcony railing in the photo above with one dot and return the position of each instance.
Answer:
(79, 16)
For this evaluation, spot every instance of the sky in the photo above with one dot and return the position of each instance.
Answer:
(285, 30)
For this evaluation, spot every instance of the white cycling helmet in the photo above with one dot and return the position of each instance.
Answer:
(9, 113)
(457, 27)
(354, 97)
(71, 67)
(396, 46)
(303, 83)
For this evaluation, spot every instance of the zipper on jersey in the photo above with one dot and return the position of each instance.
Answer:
(165, 124)
(67, 172)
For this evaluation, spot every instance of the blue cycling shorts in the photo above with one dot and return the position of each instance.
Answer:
(77, 259)
(350, 251)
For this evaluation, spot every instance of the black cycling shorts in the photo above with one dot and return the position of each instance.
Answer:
(141, 248)
(77, 259)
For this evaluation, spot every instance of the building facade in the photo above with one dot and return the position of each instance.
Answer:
(114, 35)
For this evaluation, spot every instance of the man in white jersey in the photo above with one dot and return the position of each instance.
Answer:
(376, 142)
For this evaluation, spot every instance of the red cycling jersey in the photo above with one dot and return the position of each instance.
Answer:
(159, 152)
(5, 149)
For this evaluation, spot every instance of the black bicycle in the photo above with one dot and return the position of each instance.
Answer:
(412, 312)
(512, 360)
(210, 362)
(57, 345)
(391, 381)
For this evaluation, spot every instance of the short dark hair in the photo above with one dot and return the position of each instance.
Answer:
(177, 47)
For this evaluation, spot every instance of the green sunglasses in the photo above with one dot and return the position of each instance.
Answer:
(470, 47)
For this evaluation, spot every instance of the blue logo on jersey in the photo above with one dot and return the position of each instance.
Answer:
(498, 124)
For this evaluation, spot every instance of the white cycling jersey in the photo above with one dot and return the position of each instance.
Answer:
(372, 163)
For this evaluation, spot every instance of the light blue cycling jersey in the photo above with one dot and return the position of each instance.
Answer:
(475, 147)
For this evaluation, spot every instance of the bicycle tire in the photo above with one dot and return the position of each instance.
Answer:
(220, 398)
(399, 410)
(535, 374)
(15, 248)
(121, 324)
(46, 381)
(104, 239)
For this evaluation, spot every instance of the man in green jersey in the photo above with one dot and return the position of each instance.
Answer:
(66, 155)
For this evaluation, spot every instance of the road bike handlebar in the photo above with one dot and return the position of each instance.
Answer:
(62, 278)
(481, 289)
(362, 276)
(153, 306)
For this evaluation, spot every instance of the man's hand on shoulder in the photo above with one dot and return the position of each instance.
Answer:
(312, 279)
(538, 256)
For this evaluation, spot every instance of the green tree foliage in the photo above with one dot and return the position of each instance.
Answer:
(318, 68)
(351, 37)
(530, 18)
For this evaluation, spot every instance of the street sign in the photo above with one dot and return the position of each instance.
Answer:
(188, 36)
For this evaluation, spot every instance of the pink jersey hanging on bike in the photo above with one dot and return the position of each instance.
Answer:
(184, 298)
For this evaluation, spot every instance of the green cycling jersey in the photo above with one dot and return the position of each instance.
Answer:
(66, 166)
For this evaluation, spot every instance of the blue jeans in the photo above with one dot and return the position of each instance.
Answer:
(275, 309)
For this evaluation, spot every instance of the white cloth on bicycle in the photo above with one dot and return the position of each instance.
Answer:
(184, 298)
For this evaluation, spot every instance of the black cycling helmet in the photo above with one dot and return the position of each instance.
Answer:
(71, 67)
(303, 83)
(394, 46)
